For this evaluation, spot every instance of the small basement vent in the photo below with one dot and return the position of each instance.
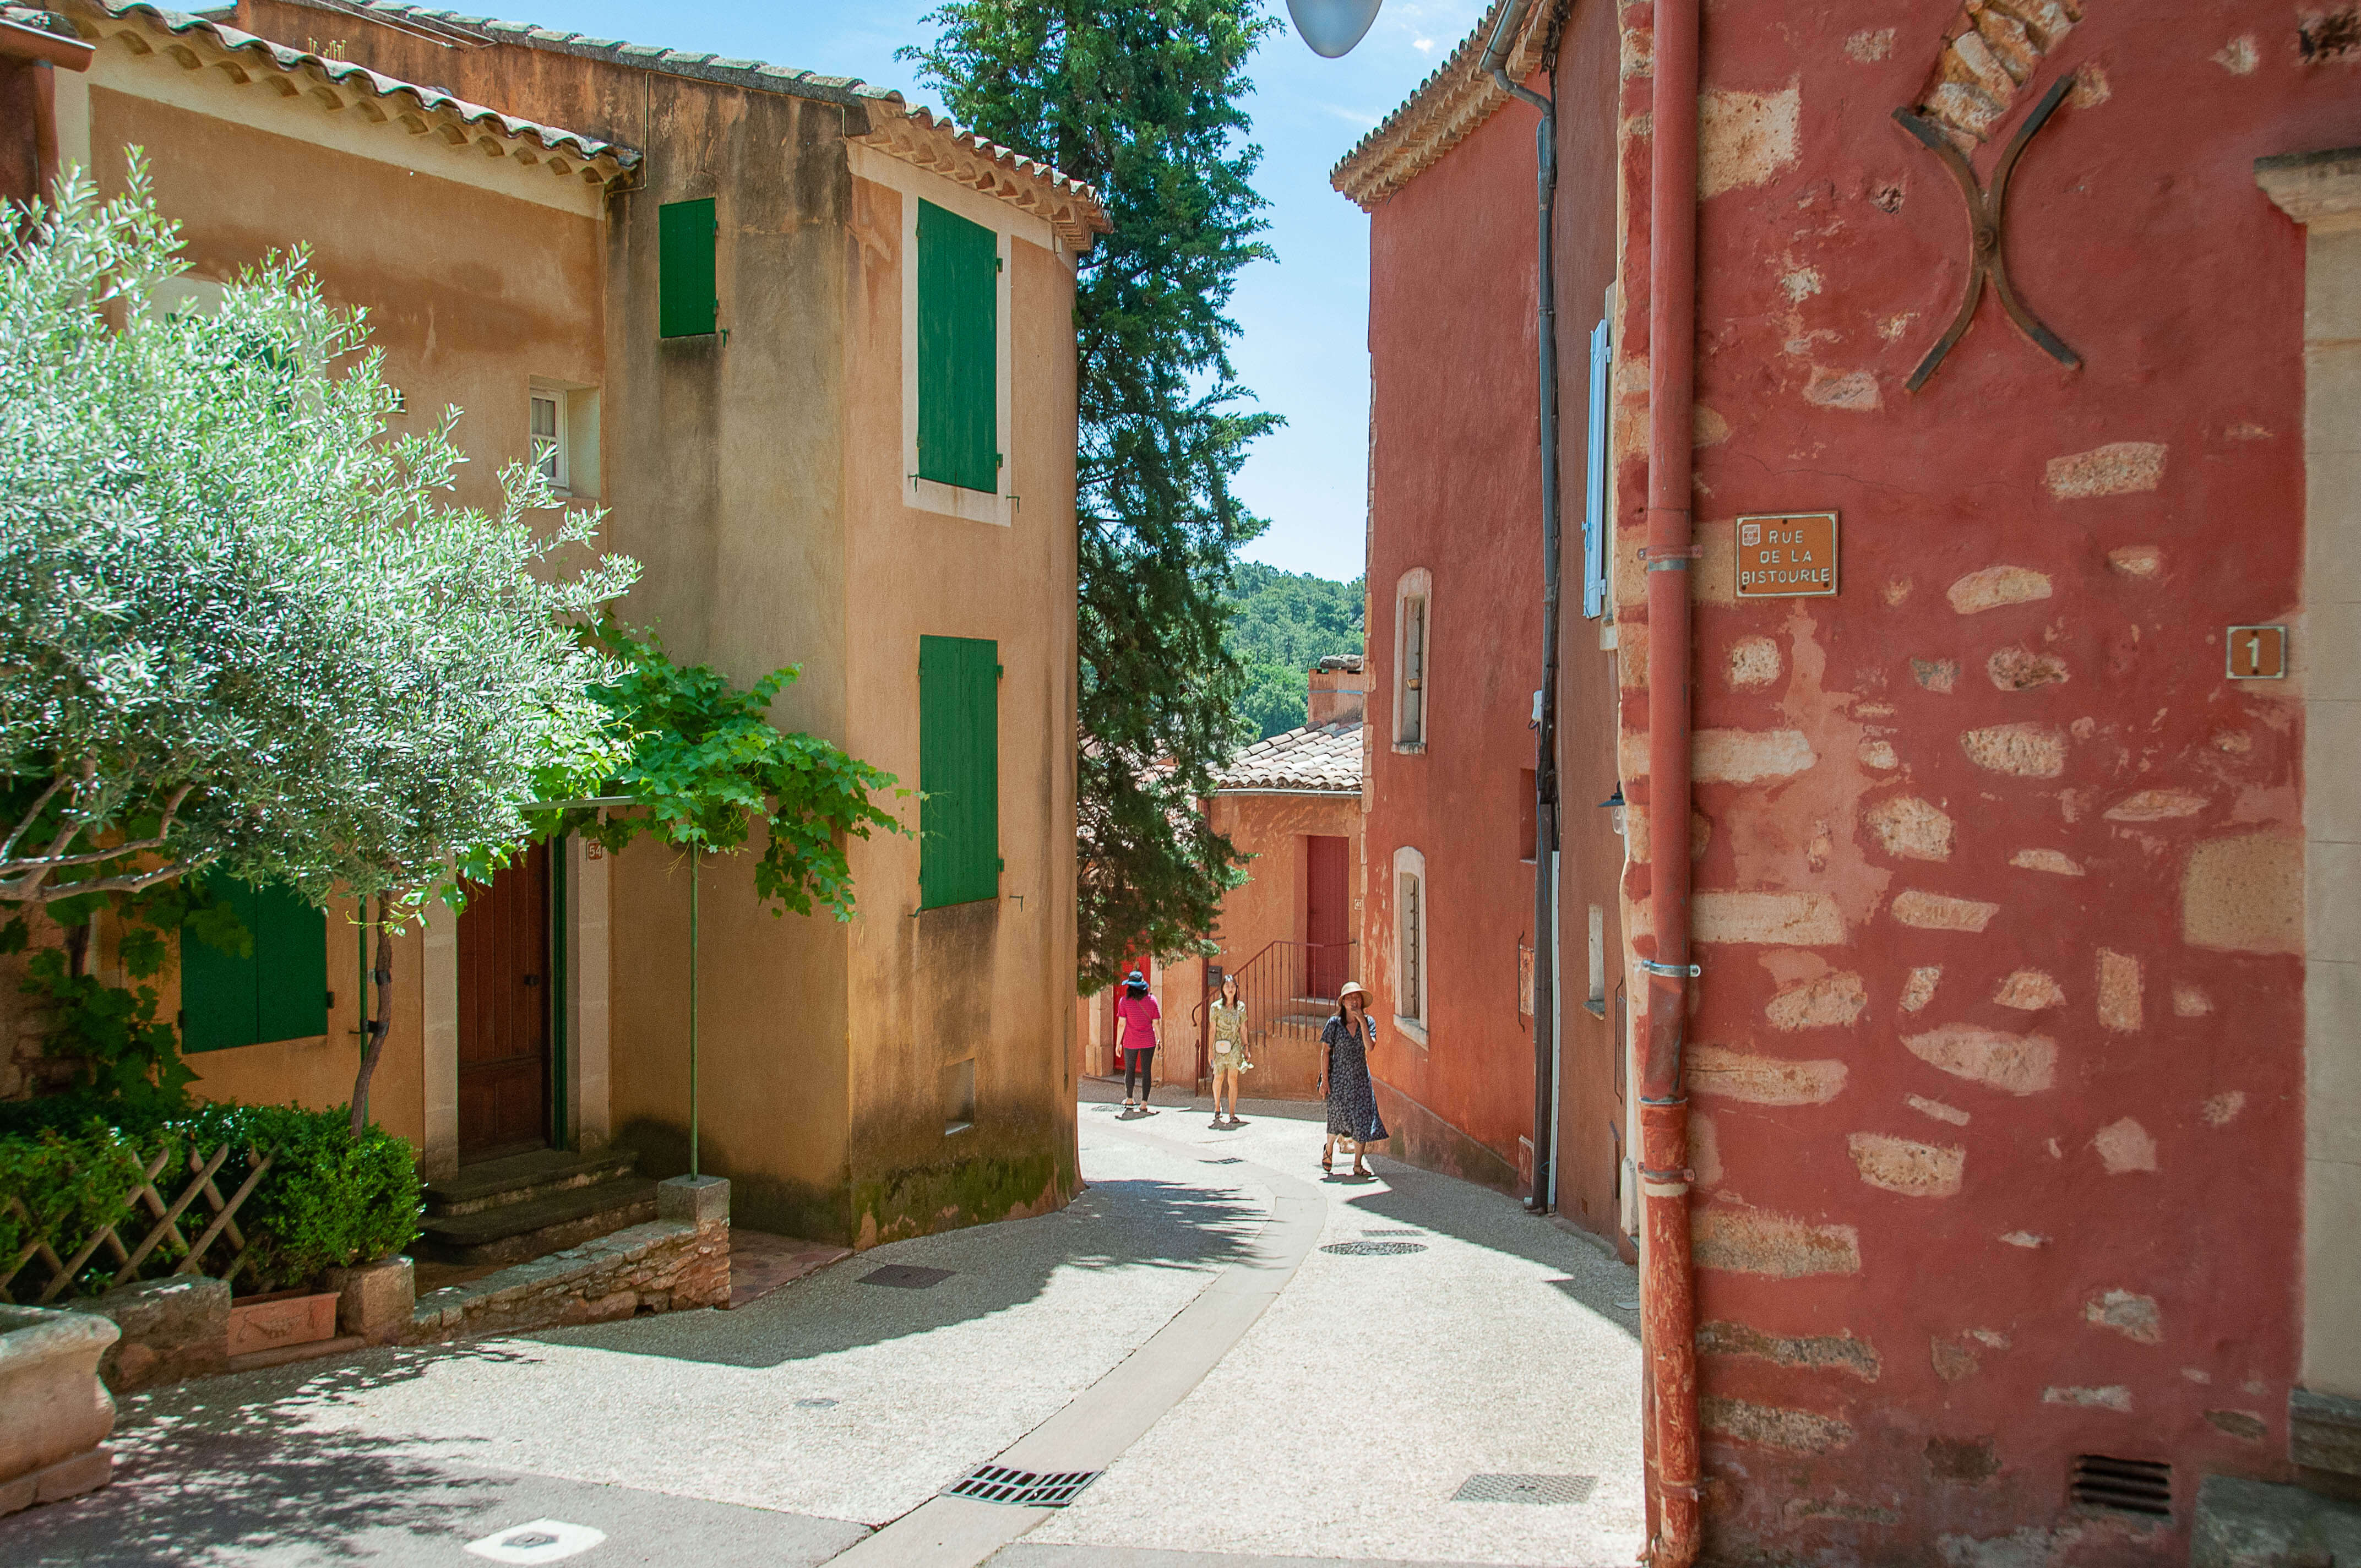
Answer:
(1021, 1488)
(2124, 1485)
(1546, 1489)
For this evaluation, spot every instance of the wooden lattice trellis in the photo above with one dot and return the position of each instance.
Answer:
(163, 1240)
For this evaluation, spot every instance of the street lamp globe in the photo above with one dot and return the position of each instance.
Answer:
(1333, 27)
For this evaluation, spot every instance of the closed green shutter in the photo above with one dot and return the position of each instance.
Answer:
(278, 992)
(688, 302)
(958, 769)
(291, 961)
(959, 337)
(218, 988)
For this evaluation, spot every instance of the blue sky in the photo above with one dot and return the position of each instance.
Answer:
(1303, 320)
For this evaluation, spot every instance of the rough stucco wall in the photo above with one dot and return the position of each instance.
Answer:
(1591, 1109)
(987, 981)
(1999, 912)
(1456, 488)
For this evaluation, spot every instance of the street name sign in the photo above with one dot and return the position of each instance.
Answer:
(1788, 555)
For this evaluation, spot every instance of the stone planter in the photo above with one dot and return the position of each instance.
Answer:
(54, 1412)
(172, 1329)
(280, 1319)
(374, 1300)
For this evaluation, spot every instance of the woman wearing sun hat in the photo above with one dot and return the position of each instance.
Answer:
(1344, 1075)
(1141, 1026)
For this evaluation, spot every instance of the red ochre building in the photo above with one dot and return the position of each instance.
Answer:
(2024, 1168)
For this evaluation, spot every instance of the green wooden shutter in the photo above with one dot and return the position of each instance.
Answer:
(959, 337)
(291, 953)
(217, 988)
(688, 302)
(958, 769)
(279, 991)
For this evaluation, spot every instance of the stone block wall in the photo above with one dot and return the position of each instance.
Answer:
(661, 1266)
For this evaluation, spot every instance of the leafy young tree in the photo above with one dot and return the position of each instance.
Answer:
(1282, 623)
(240, 631)
(1141, 99)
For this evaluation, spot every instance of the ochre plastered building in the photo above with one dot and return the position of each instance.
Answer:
(719, 343)
(2019, 1070)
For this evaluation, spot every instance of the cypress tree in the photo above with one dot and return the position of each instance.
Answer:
(1140, 98)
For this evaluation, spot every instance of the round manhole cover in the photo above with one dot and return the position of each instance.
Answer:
(1372, 1249)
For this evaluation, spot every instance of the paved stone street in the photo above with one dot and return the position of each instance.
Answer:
(1182, 1328)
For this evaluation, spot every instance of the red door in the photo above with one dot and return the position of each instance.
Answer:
(504, 1035)
(1327, 912)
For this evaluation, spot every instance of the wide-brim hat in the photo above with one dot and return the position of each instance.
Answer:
(1351, 988)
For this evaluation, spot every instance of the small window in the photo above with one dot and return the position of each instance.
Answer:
(958, 770)
(959, 1097)
(688, 300)
(1412, 639)
(1410, 918)
(277, 992)
(549, 437)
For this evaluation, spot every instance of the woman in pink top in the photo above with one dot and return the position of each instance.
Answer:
(1141, 1028)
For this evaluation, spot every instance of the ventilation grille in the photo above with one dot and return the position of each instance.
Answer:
(1021, 1488)
(2124, 1485)
(1546, 1489)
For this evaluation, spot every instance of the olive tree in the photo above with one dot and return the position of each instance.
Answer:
(241, 630)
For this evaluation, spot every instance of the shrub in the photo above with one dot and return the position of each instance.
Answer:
(330, 1198)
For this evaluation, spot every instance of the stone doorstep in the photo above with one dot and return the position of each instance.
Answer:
(56, 1483)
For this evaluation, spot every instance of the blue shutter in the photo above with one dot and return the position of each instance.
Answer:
(1594, 503)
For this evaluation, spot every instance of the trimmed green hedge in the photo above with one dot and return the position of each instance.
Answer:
(328, 1200)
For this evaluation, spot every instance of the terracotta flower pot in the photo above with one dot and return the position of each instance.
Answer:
(280, 1319)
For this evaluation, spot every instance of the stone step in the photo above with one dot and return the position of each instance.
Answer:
(512, 1232)
(521, 1178)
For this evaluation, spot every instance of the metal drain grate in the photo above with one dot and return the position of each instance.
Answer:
(1022, 1488)
(1393, 1233)
(1553, 1489)
(907, 1276)
(1226, 1159)
(1372, 1249)
(2124, 1485)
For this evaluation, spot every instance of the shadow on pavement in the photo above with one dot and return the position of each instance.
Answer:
(199, 1478)
(1115, 1225)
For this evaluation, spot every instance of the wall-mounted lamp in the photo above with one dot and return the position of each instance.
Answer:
(1615, 802)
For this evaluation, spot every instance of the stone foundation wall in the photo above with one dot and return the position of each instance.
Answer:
(662, 1266)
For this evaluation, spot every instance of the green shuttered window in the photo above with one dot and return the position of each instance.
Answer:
(280, 993)
(958, 770)
(688, 303)
(959, 335)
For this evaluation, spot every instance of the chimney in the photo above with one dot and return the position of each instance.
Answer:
(1337, 696)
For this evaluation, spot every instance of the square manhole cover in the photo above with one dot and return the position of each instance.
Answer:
(1557, 1490)
(906, 1277)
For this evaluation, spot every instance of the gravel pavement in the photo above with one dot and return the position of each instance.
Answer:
(1349, 1399)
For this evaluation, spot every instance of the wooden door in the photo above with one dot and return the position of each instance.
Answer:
(504, 1025)
(1328, 911)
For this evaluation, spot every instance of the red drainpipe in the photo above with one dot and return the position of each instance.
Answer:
(1668, 1276)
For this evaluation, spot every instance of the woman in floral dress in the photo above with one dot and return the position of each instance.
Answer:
(1230, 1057)
(1344, 1075)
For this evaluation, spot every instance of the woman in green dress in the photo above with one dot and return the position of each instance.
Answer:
(1230, 1057)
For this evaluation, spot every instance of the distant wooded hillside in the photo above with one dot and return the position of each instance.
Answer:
(1282, 624)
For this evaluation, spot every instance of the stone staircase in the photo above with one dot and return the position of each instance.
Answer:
(528, 1205)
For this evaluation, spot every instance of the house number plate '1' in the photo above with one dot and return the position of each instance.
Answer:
(1787, 556)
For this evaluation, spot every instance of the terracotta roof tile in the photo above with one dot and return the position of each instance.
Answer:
(1325, 757)
(1442, 110)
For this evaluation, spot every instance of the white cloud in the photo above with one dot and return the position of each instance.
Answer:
(1424, 46)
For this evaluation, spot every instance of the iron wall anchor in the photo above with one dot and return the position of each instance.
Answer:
(1987, 209)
